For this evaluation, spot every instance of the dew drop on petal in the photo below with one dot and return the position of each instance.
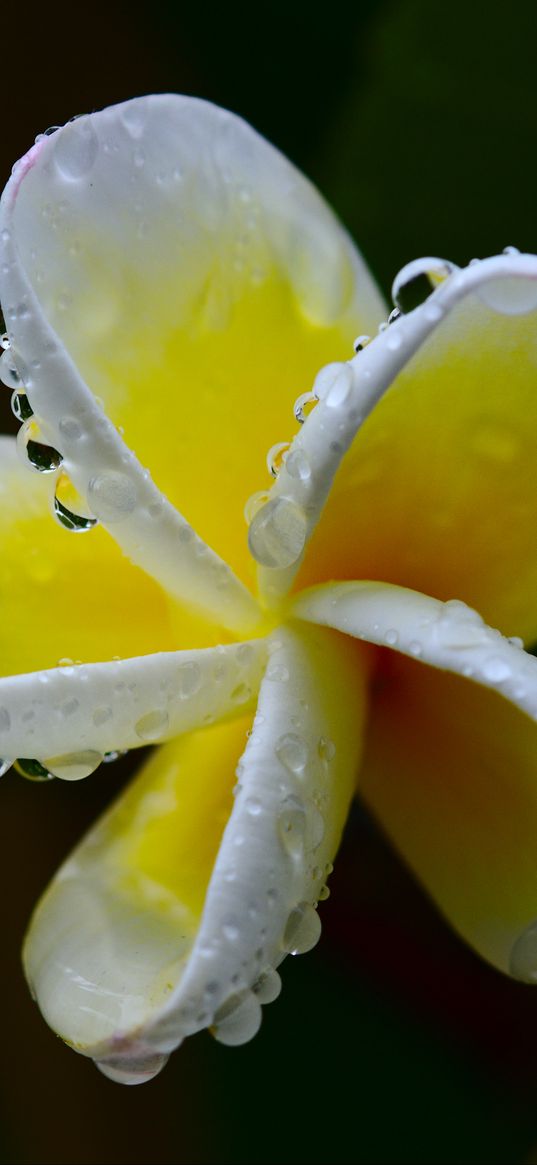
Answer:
(188, 679)
(75, 149)
(276, 457)
(277, 533)
(292, 752)
(297, 465)
(291, 826)
(34, 451)
(254, 503)
(302, 930)
(125, 1071)
(237, 1020)
(111, 496)
(496, 669)
(417, 281)
(21, 407)
(4, 766)
(8, 372)
(340, 391)
(152, 726)
(511, 296)
(326, 749)
(74, 766)
(268, 986)
(303, 406)
(32, 769)
(70, 509)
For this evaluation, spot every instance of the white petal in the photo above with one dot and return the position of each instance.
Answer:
(125, 983)
(450, 636)
(126, 703)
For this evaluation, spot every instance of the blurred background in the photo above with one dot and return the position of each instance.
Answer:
(391, 1042)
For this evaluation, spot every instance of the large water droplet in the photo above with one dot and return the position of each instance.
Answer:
(42, 457)
(417, 281)
(152, 726)
(75, 149)
(111, 496)
(125, 1071)
(237, 1020)
(70, 508)
(292, 752)
(302, 930)
(254, 503)
(339, 393)
(297, 465)
(277, 533)
(291, 826)
(32, 769)
(74, 766)
(304, 405)
(512, 296)
(523, 961)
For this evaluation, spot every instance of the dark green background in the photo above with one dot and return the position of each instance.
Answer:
(391, 1042)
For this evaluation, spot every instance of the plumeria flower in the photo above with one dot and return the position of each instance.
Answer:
(170, 284)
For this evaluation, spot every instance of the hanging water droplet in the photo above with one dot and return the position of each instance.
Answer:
(4, 766)
(42, 457)
(417, 281)
(8, 372)
(32, 769)
(112, 496)
(74, 766)
(5, 341)
(360, 343)
(277, 533)
(152, 726)
(276, 457)
(523, 961)
(237, 1020)
(303, 406)
(291, 750)
(75, 149)
(110, 757)
(268, 986)
(394, 315)
(324, 893)
(132, 1071)
(292, 827)
(511, 296)
(326, 749)
(21, 407)
(302, 930)
(70, 509)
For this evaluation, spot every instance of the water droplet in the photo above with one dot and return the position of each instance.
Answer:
(21, 407)
(188, 679)
(253, 806)
(516, 641)
(277, 533)
(5, 341)
(101, 715)
(42, 457)
(254, 503)
(391, 637)
(74, 766)
(292, 827)
(340, 391)
(125, 1071)
(360, 343)
(292, 752)
(302, 930)
(70, 428)
(268, 986)
(241, 693)
(303, 406)
(415, 648)
(324, 893)
(75, 149)
(152, 726)
(32, 770)
(496, 669)
(70, 509)
(277, 673)
(326, 749)
(523, 961)
(110, 757)
(297, 465)
(69, 707)
(8, 372)
(276, 457)
(417, 281)
(510, 296)
(111, 496)
(237, 1020)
